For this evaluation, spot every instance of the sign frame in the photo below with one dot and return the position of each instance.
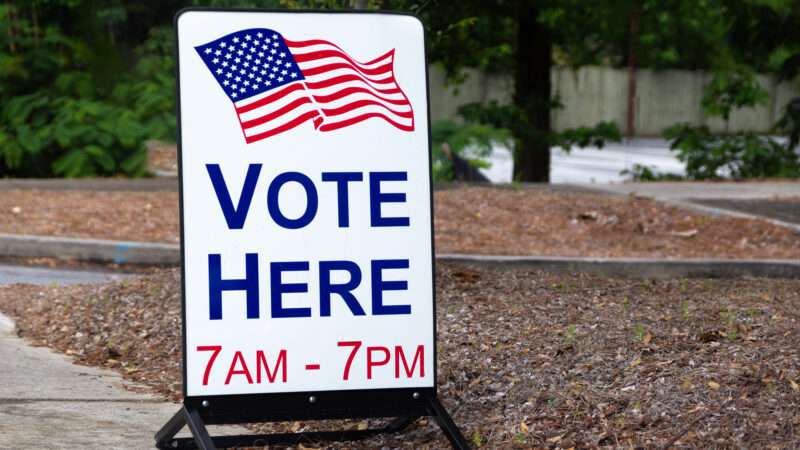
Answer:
(407, 404)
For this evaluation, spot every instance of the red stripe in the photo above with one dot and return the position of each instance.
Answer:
(361, 103)
(287, 126)
(355, 90)
(300, 44)
(304, 57)
(344, 78)
(277, 113)
(270, 98)
(328, 67)
(352, 120)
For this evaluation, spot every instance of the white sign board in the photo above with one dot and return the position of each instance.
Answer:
(306, 205)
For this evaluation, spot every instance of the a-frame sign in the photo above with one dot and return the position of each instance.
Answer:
(306, 223)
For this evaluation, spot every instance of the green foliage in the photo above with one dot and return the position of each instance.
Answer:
(740, 155)
(730, 90)
(471, 142)
(641, 172)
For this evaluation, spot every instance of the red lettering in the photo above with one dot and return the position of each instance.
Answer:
(372, 363)
(356, 345)
(244, 371)
(209, 348)
(399, 355)
(261, 361)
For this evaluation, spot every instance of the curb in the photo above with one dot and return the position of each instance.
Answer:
(126, 252)
(119, 252)
(639, 267)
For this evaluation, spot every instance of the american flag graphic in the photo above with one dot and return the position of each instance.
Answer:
(276, 84)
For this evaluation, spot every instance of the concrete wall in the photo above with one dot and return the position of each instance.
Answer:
(594, 94)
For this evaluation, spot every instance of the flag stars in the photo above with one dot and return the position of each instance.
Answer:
(240, 53)
(246, 83)
(242, 89)
(260, 35)
(253, 49)
(219, 71)
(244, 44)
(265, 47)
(288, 64)
(223, 44)
(275, 69)
(208, 51)
(215, 60)
(235, 86)
(280, 79)
(254, 87)
(226, 82)
(284, 72)
(275, 44)
(246, 64)
(234, 67)
(250, 75)
(273, 51)
(260, 54)
(248, 37)
(283, 54)
(238, 79)
(233, 95)
(242, 71)
(235, 40)
(224, 63)
(263, 72)
(257, 62)
(279, 62)
(274, 36)
(228, 75)
(248, 57)
(294, 75)
(218, 52)
(228, 56)
(270, 58)
(272, 75)
(268, 83)
(237, 60)
(258, 79)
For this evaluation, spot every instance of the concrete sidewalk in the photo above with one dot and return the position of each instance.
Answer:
(734, 199)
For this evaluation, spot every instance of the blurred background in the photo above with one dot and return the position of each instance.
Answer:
(521, 91)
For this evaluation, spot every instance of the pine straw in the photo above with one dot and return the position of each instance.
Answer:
(527, 359)
(485, 220)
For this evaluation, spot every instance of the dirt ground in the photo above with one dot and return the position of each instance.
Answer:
(527, 359)
(468, 219)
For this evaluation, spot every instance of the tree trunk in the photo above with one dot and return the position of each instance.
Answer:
(532, 95)
(632, 66)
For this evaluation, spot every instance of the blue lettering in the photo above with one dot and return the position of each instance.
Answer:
(234, 216)
(344, 290)
(278, 288)
(341, 179)
(379, 286)
(216, 285)
(311, 200)
(376, 198)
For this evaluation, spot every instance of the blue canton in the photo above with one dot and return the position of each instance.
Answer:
(250, 62)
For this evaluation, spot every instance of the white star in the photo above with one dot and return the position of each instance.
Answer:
(244, 44)
(275, 44)
(274, 36)
(246, 64)
(235, 86)
(279, 62)
(284, 72)
(246, 83)
(228, 75)
(219, 71)
(242, 71)
(260, 54)
(215, 60)
(257, 62)
(228, 56)
(233, 95)
(283, 54)
(252, 49)
(234, 67)
(240, 53)
(250, 75)
(218, 52)
(259, 79)
(241, 89)
(237, 60)
(256, 43)
(263, 72)
(294, 74)
(254, 87)
(208, 51)
(272, 75)
(224, 63)
(288, 64)
(273, 51)
(226, 82)
(248, 57)
(268, 83)
(280, 79)
(247, 36)
(267, 40)
(269, 58)
(223, 44)
(236, 39)
(264, 47)
(238, 78)
(275, 69)
(260, 34)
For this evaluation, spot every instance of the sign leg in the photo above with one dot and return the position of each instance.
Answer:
(198, 428)
(170, 429)
(449, 428)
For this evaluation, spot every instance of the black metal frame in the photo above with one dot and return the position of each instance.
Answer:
(405, 404)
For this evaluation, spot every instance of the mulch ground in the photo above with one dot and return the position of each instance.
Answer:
(527, 359)
(469, 219)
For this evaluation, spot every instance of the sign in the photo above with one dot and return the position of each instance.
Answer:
(306, 203)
